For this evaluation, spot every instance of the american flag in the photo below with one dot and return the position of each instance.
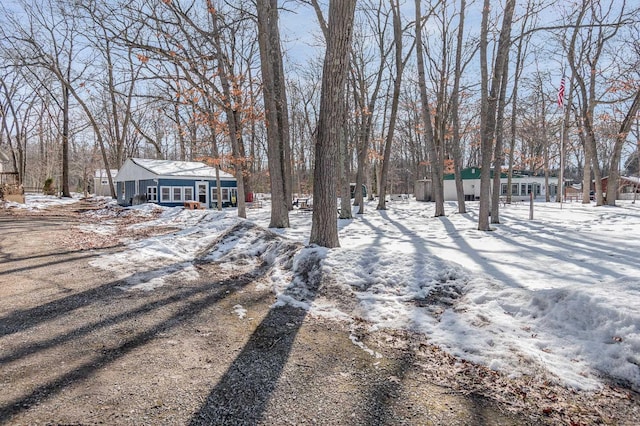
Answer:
(561, 93)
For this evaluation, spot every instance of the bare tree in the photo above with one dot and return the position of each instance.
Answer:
(621, 138)
(50, 43)
(276, 112)
(521, 52)
(498, 156)
(324, 229)
(400, 63)
(455, 114)
(596, 24)
(489, 102)
(366, 88)
(14, 111)
(434, 150)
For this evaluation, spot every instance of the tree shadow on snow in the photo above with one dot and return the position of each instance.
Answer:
(242, 394)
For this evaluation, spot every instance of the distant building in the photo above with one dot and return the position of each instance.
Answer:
(628, 187)
(423, 190)
(522, 185)
(4, 162)
(10, 188)
(101, 182)
(172, 183)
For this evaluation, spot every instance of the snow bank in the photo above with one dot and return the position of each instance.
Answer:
(558, 296)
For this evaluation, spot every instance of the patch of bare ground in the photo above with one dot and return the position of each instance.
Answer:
(75, 348)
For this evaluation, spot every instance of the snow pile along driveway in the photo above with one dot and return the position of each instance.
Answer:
(558, 296)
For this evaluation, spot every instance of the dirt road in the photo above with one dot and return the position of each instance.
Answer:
(76, 348)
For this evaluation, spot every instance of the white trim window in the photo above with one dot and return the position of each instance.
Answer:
(223, 190)
(188, 193)
(176, 193)
(165, 194)
(152, 194)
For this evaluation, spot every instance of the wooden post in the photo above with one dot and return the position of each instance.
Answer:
(531, 205)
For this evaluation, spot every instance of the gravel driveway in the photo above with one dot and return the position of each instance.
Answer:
(75, 348)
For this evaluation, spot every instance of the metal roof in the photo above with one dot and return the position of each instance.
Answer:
(172, 168)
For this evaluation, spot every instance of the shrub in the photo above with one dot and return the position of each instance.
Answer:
(49, 188)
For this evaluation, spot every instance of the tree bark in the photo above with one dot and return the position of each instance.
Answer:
(345, 169)
(490, 103)
(324, 226)
(276, 112)
(499, 151)
(395, 101)
(455, 116)
(432, 150)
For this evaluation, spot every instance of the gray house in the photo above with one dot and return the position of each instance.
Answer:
(172, 183)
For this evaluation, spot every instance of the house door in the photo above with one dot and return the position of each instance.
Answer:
(203, 190)
(233, 196)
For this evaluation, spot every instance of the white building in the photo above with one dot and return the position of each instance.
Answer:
(522, 185)
(101, 182)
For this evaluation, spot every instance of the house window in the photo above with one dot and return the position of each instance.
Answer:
(503, 189)
(188, 193)
(225, 194)
(514, 189)
(152, 194)
(523, 189)
(165, 194)
(176, 193)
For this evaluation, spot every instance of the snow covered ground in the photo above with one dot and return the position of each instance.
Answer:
(558, 295)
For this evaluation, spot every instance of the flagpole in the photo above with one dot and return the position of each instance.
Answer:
(561, 92)
(561, 181)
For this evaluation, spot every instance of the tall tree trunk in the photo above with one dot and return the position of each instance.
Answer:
(455, 116)
(499, 151)
(395, 101)
(432, 150)
(490, 103)
(324, 226)
(586, 178)
(345, 169)
(278, 151)
(523, 43)
(231, 115)
(366, 130)
(65, 142)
